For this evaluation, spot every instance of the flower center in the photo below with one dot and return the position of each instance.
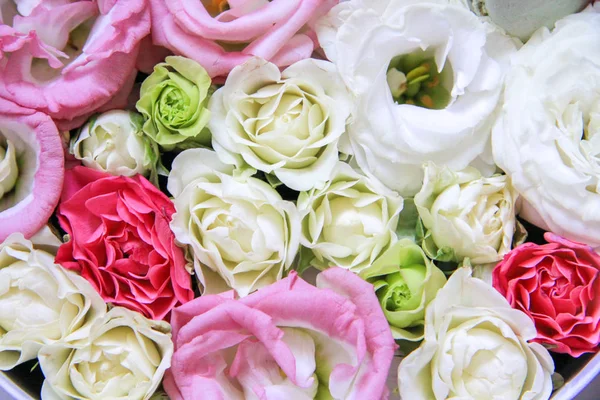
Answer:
(215, 7)
(414, 79)
(173, 105)
(404, 288)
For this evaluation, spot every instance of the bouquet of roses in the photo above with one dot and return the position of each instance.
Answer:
(173, 173)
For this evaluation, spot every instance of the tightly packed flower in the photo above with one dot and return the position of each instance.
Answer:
(476, 347)
(286, 123)
(349, 221)
(405, 282)
(466, 215)
(124, 357)
(31, 169)
(59, 53)
(290, 340)
(241, 233)
(113, 142)
(548, 137)
(556, 284)
(40, 302)
(222, 34)
(421, 94)
(120, 241)
(173, 100)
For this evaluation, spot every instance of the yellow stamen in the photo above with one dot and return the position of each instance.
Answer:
(427, 101)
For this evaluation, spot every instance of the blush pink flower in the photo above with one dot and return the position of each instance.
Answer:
(120, 241)
(290, 340)
(31, 169)
(67, 58)
(557, 285)
(222, 34)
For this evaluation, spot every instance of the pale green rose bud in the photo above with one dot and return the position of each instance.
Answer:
(173, 101)
(9, 171)
(349, 221)
(465, 215)
(405, 282)
(113, 142)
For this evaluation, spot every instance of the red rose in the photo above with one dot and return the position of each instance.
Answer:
(120, 241)
(557, 285)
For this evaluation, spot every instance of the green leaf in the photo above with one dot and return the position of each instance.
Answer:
(557, 381)
(408, 222)
(305, 259)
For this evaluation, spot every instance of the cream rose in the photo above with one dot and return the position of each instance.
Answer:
(548, 136)
(421, 94)
(288, 124)
(240, 232)
(349, 221)
(9, 170)
(475, 347)
(40, 302)
(124, 357)
(466, 215)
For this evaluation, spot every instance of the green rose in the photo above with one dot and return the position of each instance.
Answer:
(405, 282)
(173, 101)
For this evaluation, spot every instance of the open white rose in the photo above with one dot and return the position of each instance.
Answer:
(124, 357)
(476, 347)
(240, 231)
(548, 137)
(349, 221)
(288, 124)
(466, 215)
(427, 76)
(113, 142)
(40, 302)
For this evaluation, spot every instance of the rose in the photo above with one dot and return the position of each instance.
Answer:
(223, 34)
(405, 282)
(124, 357)
(120, 241)
(466, 215)
(173, 101)
(476, 347)
(31, 169)
(287, 124)
(421, 94)
(555, 284)
(289, 340)
(242, 235)
(548, 136)
(349, 221)
(58, 63)
(113, 142)
(40, 302)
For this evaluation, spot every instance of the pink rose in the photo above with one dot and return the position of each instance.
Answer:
(120, 241)
(31, 169)
(289, 340)
(557, 285)
(221, 34)
(67, 58)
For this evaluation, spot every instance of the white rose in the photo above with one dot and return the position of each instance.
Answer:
(124, 357)
(475, 347)
(113, 142)
(548, 136)
(466, 215)
(240, 231)
(427, 76)
(288, 124)
(349, 221)
(40, 302)
(9, 171)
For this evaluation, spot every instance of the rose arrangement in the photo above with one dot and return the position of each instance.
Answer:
(254, 199)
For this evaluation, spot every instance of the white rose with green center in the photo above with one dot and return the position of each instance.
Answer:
(284, 123)
(124, 357)
(113, 142)
(40, 302)
(465, 215)
(241, 233)
(476, 347)
(9, 170)
(349, 221)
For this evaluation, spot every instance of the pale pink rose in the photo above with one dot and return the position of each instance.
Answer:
(222, 34)
(67, 58)
(290, 340)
